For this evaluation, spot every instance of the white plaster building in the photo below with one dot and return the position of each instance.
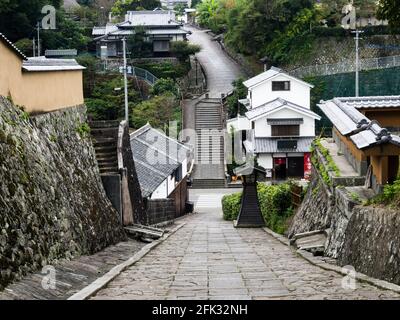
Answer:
(279, 123)
(161, 162)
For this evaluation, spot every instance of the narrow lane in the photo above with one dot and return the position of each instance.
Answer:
(221, 71)
(209, 259)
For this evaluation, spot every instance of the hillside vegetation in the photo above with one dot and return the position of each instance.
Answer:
(292, 33)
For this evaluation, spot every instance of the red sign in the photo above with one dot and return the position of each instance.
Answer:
(307, 166)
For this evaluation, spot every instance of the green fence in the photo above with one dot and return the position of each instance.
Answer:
(372, 83)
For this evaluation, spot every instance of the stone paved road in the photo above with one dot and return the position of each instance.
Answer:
(209, 259)
(220, 69)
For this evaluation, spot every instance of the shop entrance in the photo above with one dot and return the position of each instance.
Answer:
(280, 168)
(296, 167)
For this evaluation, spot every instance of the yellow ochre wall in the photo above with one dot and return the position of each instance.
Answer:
(38, 91)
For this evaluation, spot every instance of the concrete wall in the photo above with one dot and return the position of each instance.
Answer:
(53, 204)
(298, 94)
(38, 91)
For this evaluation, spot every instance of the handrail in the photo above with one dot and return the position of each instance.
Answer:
(145, 75)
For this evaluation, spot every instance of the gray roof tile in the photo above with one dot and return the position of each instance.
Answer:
(275, 104)
(343, 114)
(156, 157)
(270, 145)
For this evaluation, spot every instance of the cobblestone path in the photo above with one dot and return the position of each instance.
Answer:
(209, 259)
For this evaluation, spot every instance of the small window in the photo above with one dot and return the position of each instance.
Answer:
(178, 174)
(286, 131)
(280, 85)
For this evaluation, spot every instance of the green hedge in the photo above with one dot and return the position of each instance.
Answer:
(275, 202)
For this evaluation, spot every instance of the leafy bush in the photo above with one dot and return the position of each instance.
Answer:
(166, 69)
(231, 206)
(165, 86)
(275, 203)
(183, 50)
(158, 111)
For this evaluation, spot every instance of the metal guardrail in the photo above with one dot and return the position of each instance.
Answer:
(116, 66)
(145, 75)
(347, 66)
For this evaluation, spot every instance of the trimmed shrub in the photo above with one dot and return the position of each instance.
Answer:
(231, 206)
(275, 203)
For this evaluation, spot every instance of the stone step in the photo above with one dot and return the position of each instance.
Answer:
(104, 124)
(208, 184)
(98, 133)
(105, 170)
(105, 149)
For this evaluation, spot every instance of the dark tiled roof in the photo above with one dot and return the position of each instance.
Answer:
(372, 102)
(156, 157)
(4, 39)
(270, 145)
(343, 114)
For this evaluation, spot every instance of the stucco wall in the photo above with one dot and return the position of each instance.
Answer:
(38, 91)
(263, 129)
(298, 94)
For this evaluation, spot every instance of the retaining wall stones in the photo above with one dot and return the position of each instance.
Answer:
(160, 210)
(52, 201)
(372, 243)
(364, 237)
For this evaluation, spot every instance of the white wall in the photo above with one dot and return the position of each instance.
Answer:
(238, 124)
(299, 93)
(307, 129)
(184, 168)
(161, 191)
(265, 160)
(171, 184)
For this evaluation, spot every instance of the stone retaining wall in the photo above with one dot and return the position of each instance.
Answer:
(160, 210)
(364, 237)
(372, 243)
(53, 204)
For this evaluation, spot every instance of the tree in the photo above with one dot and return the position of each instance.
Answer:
(183, 50)
(18, 18)
(390, 10)
(26, 46)
(138, 44)
(158, 111)
(239, 92)
(122, 6)
(163, 86)
(180, 9)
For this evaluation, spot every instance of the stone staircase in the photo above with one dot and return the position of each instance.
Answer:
(105, 140)
(209, 171)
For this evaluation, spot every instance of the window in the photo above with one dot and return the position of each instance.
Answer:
(280, 85)
(286, 131)
(178, 174)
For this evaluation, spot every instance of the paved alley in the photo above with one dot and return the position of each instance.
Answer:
(220, 69)
(209, 259)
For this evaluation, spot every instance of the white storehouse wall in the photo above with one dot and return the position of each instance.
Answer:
(262, 93)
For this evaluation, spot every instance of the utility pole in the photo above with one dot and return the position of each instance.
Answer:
(125, 81)
(34, 47)
(357, 38)
(38, 39)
